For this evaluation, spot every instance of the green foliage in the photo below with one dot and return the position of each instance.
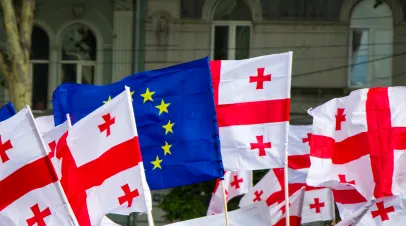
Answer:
(188, 202)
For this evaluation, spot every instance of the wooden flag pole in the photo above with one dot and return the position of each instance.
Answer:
(334, 207)
(286, 178)
(224, 202)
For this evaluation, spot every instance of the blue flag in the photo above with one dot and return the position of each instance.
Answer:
(7, 111)
(175, 116)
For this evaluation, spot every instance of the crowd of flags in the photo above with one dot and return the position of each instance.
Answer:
(106, 146)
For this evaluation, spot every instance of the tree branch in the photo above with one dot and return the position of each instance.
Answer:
(10, 26)
(3, 64)
(26, 23)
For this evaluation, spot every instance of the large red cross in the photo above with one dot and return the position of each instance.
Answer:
(236, 182)
(317, 205)
(258, 195)
(108, 121)
(128, 195)
(247, 113)
(260, 145)
(260, 78)
(39, 216)
(379, 142)
(382, 211)
(40, 169)
(76, 180)
(3, 148)
(343, 180)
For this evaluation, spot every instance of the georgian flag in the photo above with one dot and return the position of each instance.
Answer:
(100, 156)
(236, 183)
(359, 140)
(252, 100)
(30, 193)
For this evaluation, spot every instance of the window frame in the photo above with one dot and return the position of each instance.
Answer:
(232, 28)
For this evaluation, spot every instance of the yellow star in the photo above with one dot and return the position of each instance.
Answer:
(104, 102)
(163, 107)
(131, 93)
(147, 95)
(168, 127)
(167, 148)
(157, 163)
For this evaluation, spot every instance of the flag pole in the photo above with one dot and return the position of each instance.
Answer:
(224, 201)
(334, 207)
(61, 192)
(143, 179)
(286, 177)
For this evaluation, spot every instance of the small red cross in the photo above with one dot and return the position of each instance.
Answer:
(236, 182)
(3, 148)
(317, 205)
(340, 117)
(52, 146)
(382, 211)
(261, 145)
(283, 209)
(38, 216)
(307, 139)
(108, 122)
(128, 195)
(258, 195)
(260, 79)
(343, 180)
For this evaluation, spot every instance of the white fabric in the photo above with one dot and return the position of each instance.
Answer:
(107, 222)
(26, 151)
(45, 123)
(232, 188)
(87, 143)
(295, 209)
(234, 88)
(256, 214)
(310, 212)
(355, 215)
(268, 185)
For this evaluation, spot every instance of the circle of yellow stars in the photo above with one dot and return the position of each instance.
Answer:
(163, 108)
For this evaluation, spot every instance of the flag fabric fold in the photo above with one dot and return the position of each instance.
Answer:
(100, 155)
(256, 214)
(252, 98)
(358, 141)
(169, 105)
(29, 185)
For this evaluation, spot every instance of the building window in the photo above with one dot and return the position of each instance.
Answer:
(39, 68)
(231, 31)
(78, 55)
(371, 38)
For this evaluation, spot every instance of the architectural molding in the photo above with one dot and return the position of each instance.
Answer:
(349, 5)
(210, 5)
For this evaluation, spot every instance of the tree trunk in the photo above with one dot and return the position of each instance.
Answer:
(18, 22)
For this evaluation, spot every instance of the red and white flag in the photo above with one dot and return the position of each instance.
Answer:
(358, 140)
(256, 214)
(252, 100)
(236, 183)
(278, 212)
(30, 193)
(101, 155)
(51, 135)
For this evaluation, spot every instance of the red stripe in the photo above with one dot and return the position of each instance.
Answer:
(112, 162)
(299, 161)
(76, 180)
(253, 112)
(29, 177)
(351, 196)
(247, 113)
(380, 140)
(399, 138)
(293, 220)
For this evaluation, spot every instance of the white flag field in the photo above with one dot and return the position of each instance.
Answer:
(351, 158)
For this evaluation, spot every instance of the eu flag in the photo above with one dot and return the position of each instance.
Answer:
(176, 120)
(7, 111)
